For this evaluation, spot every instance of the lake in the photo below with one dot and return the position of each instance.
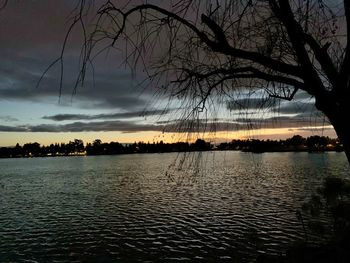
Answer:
(227, 206)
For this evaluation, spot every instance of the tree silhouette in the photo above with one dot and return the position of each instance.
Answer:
(196, 50)
(296, 140)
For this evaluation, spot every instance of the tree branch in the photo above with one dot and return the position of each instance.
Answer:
(220, 46)
(217, 30)
(344, 71)
(323, 58)
(284, 12)
(243, 73)
(288, 97)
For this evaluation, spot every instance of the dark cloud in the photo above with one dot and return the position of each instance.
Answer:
(175, 126)
(4, 128)
(285, 121)
(243, 124)
(128, 127)
(113, 89)
(202, 120)
(30, 24)
(31, 37)
(251, 103)
(305, 108)
(8, 118)
(121, 126)
(273, 105)
(313, 129)
(123, 115)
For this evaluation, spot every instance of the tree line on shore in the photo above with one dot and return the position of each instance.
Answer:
(97, 147)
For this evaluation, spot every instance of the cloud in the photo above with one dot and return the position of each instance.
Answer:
(273, 105)
(31, 37)
(127, 127)
(305, 108)
(286, 121)
(121, 126)
(171, 126)
(243, 124)
(313, 129)
(4, 128)
(123, 115)
(251, 103)
(8, 118)
(111, 89)
(31, 24)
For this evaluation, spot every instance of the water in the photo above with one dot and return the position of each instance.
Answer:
(139, 207)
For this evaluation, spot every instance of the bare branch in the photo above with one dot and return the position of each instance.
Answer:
(323, 58)
(344, 71)
(288, 96)
(284, 12)
(223, 48)
(237, 73)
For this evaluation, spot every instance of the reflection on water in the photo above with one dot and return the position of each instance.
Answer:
(140, 208)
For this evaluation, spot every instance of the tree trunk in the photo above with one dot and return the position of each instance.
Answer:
(338, 114)
(343, 131)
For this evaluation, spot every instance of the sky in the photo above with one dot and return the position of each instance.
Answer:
(112, 106)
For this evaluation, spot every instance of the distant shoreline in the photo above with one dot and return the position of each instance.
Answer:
(211, 150)
(297, 143)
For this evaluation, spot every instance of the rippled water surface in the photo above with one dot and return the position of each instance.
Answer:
(140, 207)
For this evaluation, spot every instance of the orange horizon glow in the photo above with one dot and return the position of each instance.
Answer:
(11, 138)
